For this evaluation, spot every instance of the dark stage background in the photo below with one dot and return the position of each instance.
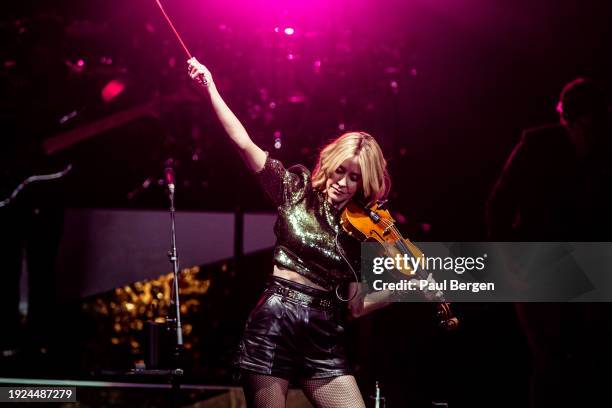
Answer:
(445, 86)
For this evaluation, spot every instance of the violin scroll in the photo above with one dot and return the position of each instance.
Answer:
(447, 320)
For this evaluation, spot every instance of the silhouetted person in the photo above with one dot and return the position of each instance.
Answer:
(556, 186)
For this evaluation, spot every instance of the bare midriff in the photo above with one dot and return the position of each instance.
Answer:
(295, 277)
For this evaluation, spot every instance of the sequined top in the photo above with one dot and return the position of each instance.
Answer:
(307, 227)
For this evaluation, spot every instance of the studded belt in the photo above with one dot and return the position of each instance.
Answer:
(308, 300)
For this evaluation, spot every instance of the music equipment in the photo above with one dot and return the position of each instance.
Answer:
(375, 223)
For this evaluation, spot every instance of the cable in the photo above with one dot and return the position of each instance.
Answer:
(32, 179)
(341, 251)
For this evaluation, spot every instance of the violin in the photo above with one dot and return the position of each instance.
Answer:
(374, 223)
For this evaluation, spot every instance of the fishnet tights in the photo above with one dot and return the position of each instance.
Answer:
(263, 391)
(336, 392)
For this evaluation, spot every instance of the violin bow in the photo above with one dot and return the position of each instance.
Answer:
(178, 37)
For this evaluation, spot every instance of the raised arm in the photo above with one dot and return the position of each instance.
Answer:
(252, 155)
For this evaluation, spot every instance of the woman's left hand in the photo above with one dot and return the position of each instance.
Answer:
(199, 72)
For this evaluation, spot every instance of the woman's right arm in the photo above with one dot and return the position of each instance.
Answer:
(252, 154)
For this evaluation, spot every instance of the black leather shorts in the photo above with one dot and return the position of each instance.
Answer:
(294, 332)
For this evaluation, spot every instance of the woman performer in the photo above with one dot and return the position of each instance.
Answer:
(296, 331)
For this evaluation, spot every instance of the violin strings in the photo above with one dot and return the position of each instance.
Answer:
(400, 239)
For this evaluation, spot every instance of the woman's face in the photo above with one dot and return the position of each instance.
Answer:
(344, 182)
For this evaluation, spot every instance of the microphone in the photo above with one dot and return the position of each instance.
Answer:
(169, 178)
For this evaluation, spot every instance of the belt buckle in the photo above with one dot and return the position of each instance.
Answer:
(290, 293)
(300, 297)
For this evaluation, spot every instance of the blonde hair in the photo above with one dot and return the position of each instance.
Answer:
(374, 176)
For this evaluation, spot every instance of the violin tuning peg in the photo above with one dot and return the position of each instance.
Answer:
(382, 204)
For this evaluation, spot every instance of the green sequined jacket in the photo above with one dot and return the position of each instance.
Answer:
(310, 240)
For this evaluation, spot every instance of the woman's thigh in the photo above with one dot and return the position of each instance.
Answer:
(264, 391)
(333, 392)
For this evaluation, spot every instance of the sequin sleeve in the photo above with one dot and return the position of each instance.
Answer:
(283, 186)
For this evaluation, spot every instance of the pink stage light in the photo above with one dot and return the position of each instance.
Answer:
(80, 63)
(297, 98)
(401, 218)
(112, 90)
(289, 31)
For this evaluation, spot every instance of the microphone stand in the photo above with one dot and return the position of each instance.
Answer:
(174, 317)
(175, 302)
(173, 320)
